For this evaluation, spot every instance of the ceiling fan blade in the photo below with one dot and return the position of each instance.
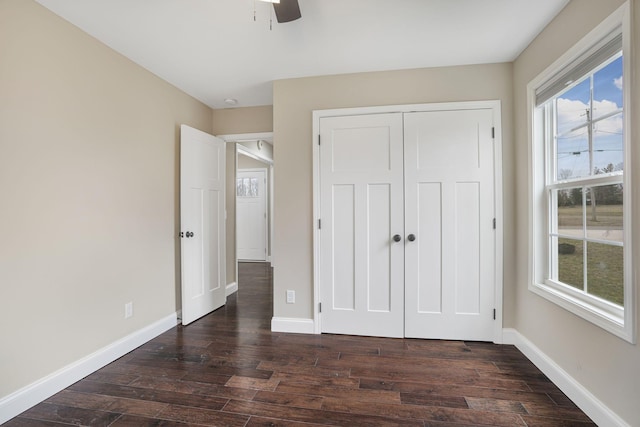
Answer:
(287, 10)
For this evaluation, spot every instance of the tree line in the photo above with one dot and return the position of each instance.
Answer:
(603, 195)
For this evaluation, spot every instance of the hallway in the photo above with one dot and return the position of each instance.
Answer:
(229, 369)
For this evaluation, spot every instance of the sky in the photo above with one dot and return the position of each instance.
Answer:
(572, 114)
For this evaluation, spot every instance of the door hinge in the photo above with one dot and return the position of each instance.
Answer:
(320, 307)
(493, 132)
(494, 223)
(319, 224)
(318, 139)
(494, 314)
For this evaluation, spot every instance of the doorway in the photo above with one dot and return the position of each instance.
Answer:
(241, 149)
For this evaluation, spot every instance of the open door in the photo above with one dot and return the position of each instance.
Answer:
(202, 223)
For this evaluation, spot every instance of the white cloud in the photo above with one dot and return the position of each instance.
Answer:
(572, 113)
(618, 82)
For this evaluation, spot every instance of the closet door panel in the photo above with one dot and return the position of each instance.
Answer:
(429, 282)
(454, 241)
(361, 266)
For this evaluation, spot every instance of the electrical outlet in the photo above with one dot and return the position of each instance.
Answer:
(291, 297)
(128, 310)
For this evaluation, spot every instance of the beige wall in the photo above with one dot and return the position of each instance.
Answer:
(294, 101)
(606, 365)
(89, 189)
(231, 121)
(245, 162)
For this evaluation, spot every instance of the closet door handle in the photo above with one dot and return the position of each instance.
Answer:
(411, 237)
(397, 238)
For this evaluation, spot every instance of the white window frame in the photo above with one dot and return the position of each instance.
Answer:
(608, 316)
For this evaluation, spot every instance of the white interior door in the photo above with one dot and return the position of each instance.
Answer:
(251, 214)
(449, 202)
(362, 267)
(202, 223)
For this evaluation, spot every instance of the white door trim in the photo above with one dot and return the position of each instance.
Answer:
(243, 137)
(494, 105)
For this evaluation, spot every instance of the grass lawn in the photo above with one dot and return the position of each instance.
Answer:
(607, 216)
(604, 269)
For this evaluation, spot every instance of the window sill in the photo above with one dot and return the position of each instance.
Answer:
(580, 307)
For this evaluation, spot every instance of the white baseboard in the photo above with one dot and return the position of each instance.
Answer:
(590, 405)
(231, 288)
(23, 399)
(296, 326)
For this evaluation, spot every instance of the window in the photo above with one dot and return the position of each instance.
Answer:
(581, 252)
(247, 187)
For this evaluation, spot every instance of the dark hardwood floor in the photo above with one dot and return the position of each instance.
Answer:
(228, 369)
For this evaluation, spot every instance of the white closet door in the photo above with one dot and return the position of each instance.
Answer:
(361, 266)
(449, 199)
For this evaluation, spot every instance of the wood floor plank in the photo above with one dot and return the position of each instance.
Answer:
(253, 383)
(107, 403)
(561, 399)
(371, 396)
(305, 369)
(82, 400)
(317, 416)
(456, 390)
(139, 421)
(427, 413)
(434, 400)
(288, 378)
(112, 378)
(117, 368)
(136, 407)
(555, 422)
(71, 415)
(539, 410)
(193, 387)
(412, 362)
(299, 400)
(22, 421)
(207, 377)
(229, 369)
(203, 416)
(161, 396)
(496, 405)
(273, 422)
(424, 373)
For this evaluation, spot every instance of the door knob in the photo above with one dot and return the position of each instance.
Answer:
(397, 238)
(411, 237)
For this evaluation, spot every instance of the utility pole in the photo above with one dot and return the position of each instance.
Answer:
(591, 165)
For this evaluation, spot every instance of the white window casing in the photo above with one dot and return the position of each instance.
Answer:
(581, 60)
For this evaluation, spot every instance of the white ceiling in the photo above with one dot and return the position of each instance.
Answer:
(213, 49)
